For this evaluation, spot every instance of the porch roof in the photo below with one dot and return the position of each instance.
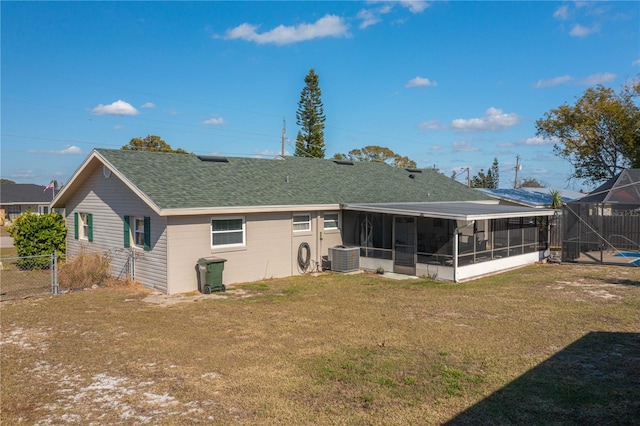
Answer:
(464, 210)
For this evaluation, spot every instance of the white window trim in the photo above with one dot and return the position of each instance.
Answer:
(308, 222)
(83, 226)
(331, 228)
(132, 230)
(224, 246)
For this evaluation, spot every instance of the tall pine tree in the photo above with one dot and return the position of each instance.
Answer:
(310, 117)
(489, 180)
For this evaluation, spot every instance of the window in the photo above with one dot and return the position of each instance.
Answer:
(227, 232)
(83, 226)
(301, 222)
(137, 232)
(330, 221)
(13, 211)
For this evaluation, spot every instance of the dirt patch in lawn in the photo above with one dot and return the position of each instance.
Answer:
(161, 299)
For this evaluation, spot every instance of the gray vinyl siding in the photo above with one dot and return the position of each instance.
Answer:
(109, 200)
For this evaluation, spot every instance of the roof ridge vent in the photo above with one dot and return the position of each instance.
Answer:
(413, 170)
(343, 162)
(213, 158)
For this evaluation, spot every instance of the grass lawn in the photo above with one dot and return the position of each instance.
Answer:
(547, 344)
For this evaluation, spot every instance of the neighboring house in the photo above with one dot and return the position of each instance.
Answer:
(539, 198)
(528, 197)
(261, 215)
(606, 219)
(17, 198)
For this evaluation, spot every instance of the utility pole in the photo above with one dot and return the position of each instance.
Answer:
(284, 134)
(518, 167)
(455, 173)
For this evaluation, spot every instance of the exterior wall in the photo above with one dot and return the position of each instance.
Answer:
(437, 272)
(109, 200)
(497, 265)
(270, 251)
(265, 255)
(12, 211)
(445, 273)
(371, 264)
(329, 237)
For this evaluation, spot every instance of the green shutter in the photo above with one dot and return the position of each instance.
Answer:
(75, 225)
(127, 232)
(147, 233)
(90, 227)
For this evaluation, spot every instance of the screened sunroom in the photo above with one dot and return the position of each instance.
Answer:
(453, 241)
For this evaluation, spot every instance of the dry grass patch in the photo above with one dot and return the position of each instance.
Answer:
(84, 270)
(333, 349)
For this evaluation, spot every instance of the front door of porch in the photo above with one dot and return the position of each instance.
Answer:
(404, 246)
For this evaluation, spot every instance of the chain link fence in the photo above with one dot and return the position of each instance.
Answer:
(25, 276)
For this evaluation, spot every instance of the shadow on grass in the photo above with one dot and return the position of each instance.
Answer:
(623, 282)
(595, 380)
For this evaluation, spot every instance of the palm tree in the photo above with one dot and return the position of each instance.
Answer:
(556, 199)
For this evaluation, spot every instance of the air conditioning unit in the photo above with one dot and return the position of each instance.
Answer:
(344, 259)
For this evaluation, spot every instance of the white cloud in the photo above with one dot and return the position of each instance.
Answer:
(430, 125)
(636, 62)
(214, 121)
(494, 119)
(327, 26)
(266, 153)
(552, 81)
(463, 146)
(373, 16)
(580, 31)
(69, 150)
(119, 107)
(369, 17)
(598, 78)
(561, 13)
(437, 147)
(24, 174)
(420, 81)
(539, 141)
(148, 105)
(414, 6)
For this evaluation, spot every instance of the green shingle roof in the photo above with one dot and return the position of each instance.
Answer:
(185, 181)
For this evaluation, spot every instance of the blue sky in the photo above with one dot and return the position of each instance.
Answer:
(455, 84)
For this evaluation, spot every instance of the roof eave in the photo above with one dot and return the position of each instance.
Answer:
(247, 209)
(451, 216)
(64, 194)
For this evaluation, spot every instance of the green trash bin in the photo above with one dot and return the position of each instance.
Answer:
(210, 274)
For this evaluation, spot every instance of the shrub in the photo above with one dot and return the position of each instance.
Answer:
(35, 235)
(84, 270)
